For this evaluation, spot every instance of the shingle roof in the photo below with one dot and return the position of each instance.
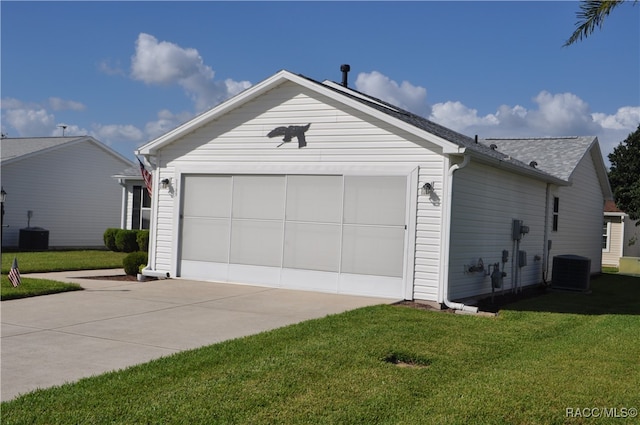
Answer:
(131, 173)
(558, 156)
(466, 142)
(11, 148)
(611, 207)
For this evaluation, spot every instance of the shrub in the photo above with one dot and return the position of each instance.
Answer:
(109, 238)
(143, 240)
(126, 240)
(133, 261)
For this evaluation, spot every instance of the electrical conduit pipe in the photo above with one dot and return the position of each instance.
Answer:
(444, 265)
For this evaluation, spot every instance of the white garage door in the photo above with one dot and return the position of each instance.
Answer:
(329, 233)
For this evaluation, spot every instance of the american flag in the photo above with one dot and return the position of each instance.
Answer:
(146, 176)
(14, 273)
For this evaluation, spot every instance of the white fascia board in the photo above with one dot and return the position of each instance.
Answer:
(601, 170)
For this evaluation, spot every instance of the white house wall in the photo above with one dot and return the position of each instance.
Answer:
(611, 255)
(339, 141)
(485, 202)
(70, 191)
(580, 216)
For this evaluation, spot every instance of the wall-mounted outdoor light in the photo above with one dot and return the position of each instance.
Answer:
(427, 188)
(165, 183)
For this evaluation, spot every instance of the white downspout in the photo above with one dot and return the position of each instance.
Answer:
(123, 204)
(444, 263)
(153, 228)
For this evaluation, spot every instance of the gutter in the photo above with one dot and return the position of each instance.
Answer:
(444, 263)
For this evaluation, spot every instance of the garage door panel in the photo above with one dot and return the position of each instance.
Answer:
(206, 196)
(256, 242)
(205, 239)
(314, 198)
(323, 232)
(376, 200)
(259, 197)
(312, 246)
(373, 250)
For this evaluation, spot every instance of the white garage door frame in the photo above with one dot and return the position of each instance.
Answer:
(283, 277)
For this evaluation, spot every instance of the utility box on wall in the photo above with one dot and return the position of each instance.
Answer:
(522, 258)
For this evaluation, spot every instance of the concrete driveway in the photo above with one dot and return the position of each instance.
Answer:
(53, 339)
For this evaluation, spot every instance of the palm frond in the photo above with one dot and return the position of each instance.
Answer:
(590, 16)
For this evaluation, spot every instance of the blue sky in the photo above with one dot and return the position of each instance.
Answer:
(126, 72)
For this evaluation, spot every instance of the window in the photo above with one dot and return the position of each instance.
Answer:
(606, 232)
(556, 209)
(141, 211)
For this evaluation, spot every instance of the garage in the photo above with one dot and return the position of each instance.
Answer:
(332, 233)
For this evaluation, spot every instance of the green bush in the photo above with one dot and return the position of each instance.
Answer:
(143, 240)
(126, 240)
(133, 261)
(109, 238)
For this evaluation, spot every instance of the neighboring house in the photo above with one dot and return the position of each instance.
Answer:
(136, 202)
(66, 183)
(620, 236)
(300, 184)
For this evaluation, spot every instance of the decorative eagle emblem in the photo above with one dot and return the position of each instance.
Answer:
(289, 133)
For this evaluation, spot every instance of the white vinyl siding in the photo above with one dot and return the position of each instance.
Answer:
(71, 192)
(485, 202)
(580, 216)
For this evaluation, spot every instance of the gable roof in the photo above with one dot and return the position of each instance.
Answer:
(451, 142)
(18, 148)
(130, 173)
(558, 156)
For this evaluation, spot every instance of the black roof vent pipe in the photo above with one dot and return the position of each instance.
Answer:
(345, 72)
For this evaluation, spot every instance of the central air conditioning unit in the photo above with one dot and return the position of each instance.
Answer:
(571, 272)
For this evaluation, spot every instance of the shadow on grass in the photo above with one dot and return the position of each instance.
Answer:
(609, 294)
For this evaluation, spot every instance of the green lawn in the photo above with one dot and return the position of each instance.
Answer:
(51, 261)
(530, 364)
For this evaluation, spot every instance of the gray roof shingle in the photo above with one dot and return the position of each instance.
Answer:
(558, 156)
(11, 148)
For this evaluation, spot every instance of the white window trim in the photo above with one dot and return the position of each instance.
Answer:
(608, 234)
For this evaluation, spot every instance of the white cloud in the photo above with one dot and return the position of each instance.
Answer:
(456, 115)
(117, 133)
(108, 68)
(28, 122)
(58, 104)
(11, 103)
(404, 95)
(165, 63)
(166, 121)
(562, 114)
(69, 130)
(552, 115)
(626, 118)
